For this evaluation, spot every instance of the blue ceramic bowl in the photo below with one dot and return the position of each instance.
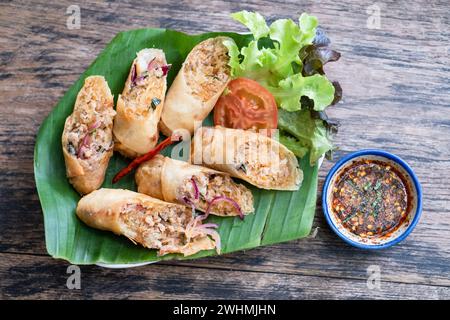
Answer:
(412, 216)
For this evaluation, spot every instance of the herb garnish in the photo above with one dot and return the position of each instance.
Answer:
(243, 168)
(71, 148)
(376, 204)
(354, 213)
(367, 185)
(155, 103)
(377, 185)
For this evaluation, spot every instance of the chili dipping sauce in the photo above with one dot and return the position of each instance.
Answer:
(371, 198)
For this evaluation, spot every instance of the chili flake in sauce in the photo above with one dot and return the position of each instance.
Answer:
(370, 198)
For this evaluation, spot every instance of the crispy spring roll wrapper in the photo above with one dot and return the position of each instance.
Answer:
(180, 182)
(140, 105)
(87, 141)
(197, 87)
(155, 224)
(247, 155)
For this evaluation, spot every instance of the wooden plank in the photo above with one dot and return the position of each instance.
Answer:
(396, 87)
(414, 261)
(29, 277)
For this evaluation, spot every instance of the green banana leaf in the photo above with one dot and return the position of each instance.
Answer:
(279, 215)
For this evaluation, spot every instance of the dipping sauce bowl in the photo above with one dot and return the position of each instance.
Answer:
(372, 199)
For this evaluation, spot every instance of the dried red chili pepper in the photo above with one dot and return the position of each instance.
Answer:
(136, 162)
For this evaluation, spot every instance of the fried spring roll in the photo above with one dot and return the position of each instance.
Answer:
(247, 155)
(155, 224)
(205, 189)
(197, 86)
(87, 142)
(140, 105)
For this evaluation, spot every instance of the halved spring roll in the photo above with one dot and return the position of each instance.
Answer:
(155, 224)
(199, 83)
(205, 189)
(247, 155)
(140, 105)
(87, 142)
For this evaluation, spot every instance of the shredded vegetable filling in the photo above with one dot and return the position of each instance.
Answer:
(211, 186)
(165, 228)
(268, 167)
(89, 136)
(154, 226)
(206, 70)
(142, 81)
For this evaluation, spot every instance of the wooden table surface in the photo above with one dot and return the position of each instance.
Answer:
(396, 97)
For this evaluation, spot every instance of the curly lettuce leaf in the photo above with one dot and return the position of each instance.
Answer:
(293, 144)
(301, 130)
(251, 62)
(287, 58)
(233, 53)
(317, 87)
(308, 24)
(287, 35)
(274, 67)
(253, 21)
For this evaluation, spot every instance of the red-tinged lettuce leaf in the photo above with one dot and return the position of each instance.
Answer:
(337, 92)
(316, 55)
(316, 58)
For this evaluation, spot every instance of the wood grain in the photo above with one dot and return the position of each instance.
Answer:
(396, 97)
(30, 277)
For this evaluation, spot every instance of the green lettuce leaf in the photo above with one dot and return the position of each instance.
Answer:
(287, 35)
(293, 144)
(287, 58)
(317, 87)
(275, 66)
(233, 53)
(251, 62)
(308, 25)
(253, 21)
(301, 130)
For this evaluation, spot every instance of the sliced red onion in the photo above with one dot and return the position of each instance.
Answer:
(140, 80)
(196, 192)
(81, 151)
(84, 143)
(229, 200)
(152, 64)
(198, 220)
(187, 201)
(188, 228)
(94, 126)
(216, 237)
(203, 216)
(209, 225)
(192, 225)
(133, 75)
(165, 69)
(87, 139)
(207, 228)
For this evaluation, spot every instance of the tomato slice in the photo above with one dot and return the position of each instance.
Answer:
(246, 105)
